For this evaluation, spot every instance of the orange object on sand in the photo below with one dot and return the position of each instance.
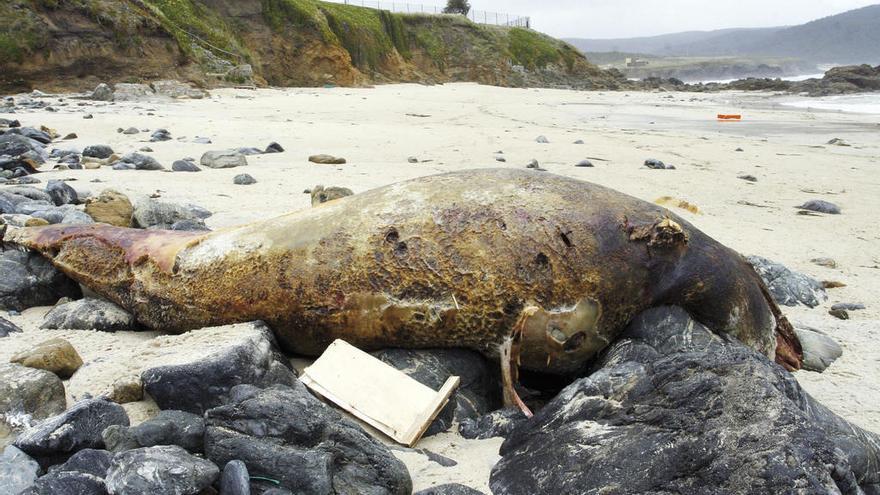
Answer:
(722, 116)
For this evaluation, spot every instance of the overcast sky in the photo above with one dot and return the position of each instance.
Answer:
(631, 18)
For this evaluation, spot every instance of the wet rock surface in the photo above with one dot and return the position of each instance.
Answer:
(166, 469)
(477, 393)
(179, 428)
(286, 434)
(89, 314)
(787, 287)
(714, 416)
(28, 395)
(27, 280)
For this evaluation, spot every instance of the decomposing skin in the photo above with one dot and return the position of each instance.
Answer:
(494, 260)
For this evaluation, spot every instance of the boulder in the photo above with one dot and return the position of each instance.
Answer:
(184, 166)
(100, 151)
(179, 428)
(655, 164)
(819, 349)
(137, 161)
(223, 159)
(67, 214)
(166, 469)
(132, 92)
(110, 207)
(321, 194)
(190, 225)
(28, 394)
(240, 74)
(22, 148)
(178, 90)
(18, 471)
(89, 461)
(55, 355)
(495, 424)
(449, 489)
(57, 438)
(61, 193)
(88, 314)
(787, 287)
(154, 214)
(327, 159)
(235, 479)
(673, 408)
(476, 395)
(68, 482)
(196, 383)
(7, 327)
(286, 434)
(102, 92)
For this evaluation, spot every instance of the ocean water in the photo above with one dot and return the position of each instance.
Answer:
(858, 103)
(802, 77)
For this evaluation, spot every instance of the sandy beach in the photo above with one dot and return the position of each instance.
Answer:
(463, 126)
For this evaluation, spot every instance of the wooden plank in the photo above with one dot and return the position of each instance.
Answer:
(378, 394)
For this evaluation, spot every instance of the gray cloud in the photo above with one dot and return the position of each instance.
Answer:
(630, 18)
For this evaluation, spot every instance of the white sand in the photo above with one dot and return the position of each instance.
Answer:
(783, 147)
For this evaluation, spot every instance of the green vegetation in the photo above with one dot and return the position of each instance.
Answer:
(533, 50)
(184, 19)
(21, 32)
(303, 14)
(369, 35)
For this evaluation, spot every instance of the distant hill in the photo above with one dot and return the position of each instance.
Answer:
(852, 37)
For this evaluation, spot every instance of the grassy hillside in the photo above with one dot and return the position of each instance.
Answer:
(288, 42)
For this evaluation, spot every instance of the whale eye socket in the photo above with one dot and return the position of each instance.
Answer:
(573, 343)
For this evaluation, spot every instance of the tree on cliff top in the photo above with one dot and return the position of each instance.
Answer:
(457, 7)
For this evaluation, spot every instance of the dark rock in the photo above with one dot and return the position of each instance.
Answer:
(179, 428)
(198, 386)
(787, 287)
(250, 151)
(274, 148)
(412, 159)
(102, 92)
(819, 349)
(658, 165)
(449, 489)
(286, 434)
(495, 424)
(184, 166)
(160, 135)
(477, 393)
(584, 163)
(244, 180)
(166, 469)
(18, 146)
(223, 159)
(68, 483)
(28, 394)
(37, 135)
(89, 314)
(131, 131)
(153, 214)
(70, 136)
(88, 461)
(499, 158)
(137, 161)
(28, 279)
(88, 116)
(57, 438)
(9, 123)
(235, 479)
(542, 140)
(190, 225)
(18, 471)
(673, 408)
(321, 194)
(101, 151)
(848, 306)
(840, 314)
(7, 327)
(579, 141)
(820, 206)
(748, 178)
(61, 193)
(533, 164)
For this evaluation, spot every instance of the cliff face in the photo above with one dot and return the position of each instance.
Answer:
(74, 44)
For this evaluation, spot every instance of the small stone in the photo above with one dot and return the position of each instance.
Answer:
(748, 178)
(826, 262)
(837, 142)
(820, 206)
(499, 158)
(412, 159)
(61, 193)
(70, 136)
(321, 194)
(223, 159)
(495, 424)
(542, 140)
(840, 314)
(110, 207)
(579, 141)
(327, 160)
(55, 355)
(202, 140)
(127, 389)
(584, 163)
(166, 469)
(739, 150)
(7, 327)
(235, 479)
(244, 180)
(819, 350)
(274, 148)
(98, 151)
(533, 164)
(184, 166)
(131, 130)
(88, 116)
(655, 164)
(160, 135)
(88, 314)
(832, 284)
(146, 149)
(139, 162)
(848, 306)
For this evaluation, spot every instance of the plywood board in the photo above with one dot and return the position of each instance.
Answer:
(376, 393)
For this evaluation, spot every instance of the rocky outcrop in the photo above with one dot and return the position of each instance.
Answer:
(673, 408)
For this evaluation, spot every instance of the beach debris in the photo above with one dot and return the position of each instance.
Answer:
(826, 262)
(729, 117)
(677, 203)
(55, 355)
(787, 287)
(327, 160)
(820, 206)
(655, 164)
(244, 180)
(160, 469)
(377, 393)
(848, 306)
(748, 178)
(584, 164)
(185, 166)
(840, 314)
(832, 284)
(321, 194)
(223, 159)
(88, 314)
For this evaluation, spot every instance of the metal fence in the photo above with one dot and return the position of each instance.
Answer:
(478, 16)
